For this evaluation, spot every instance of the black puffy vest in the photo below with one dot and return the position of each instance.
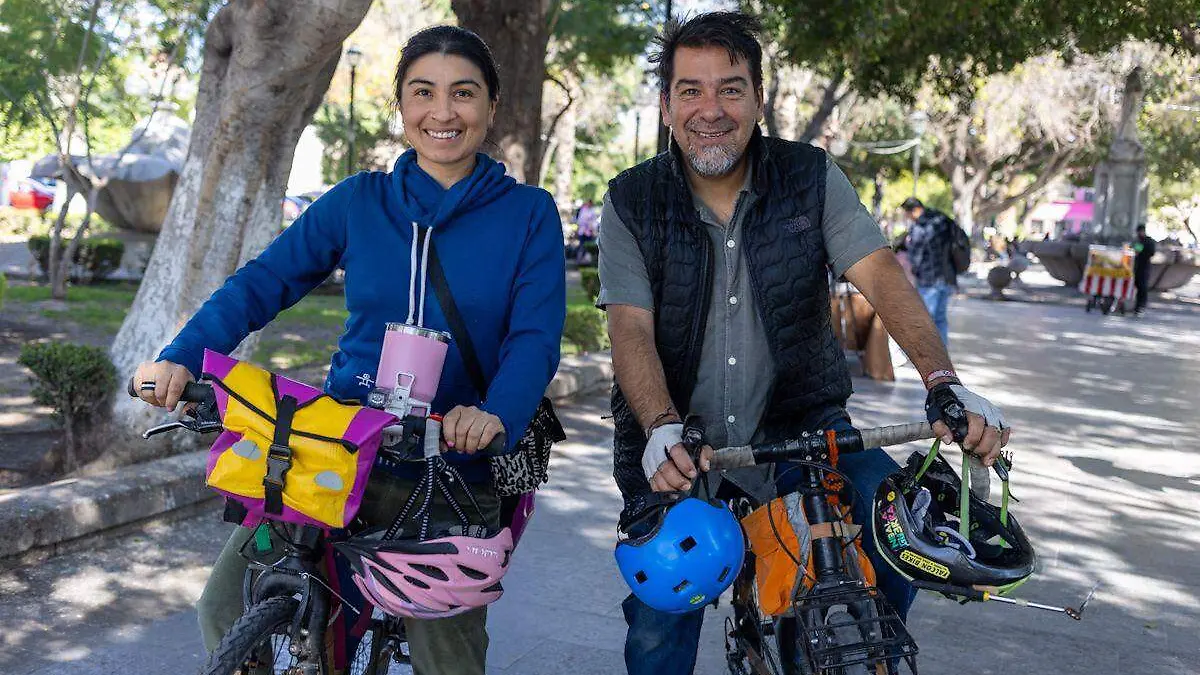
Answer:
(789, 276)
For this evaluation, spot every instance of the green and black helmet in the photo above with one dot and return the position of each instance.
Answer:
(919, 530)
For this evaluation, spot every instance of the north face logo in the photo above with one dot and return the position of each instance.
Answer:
(797, 225)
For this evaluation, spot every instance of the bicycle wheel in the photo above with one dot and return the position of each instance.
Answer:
(258, 643)
(843, 631)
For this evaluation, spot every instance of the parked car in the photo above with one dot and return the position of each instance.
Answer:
(32, 193)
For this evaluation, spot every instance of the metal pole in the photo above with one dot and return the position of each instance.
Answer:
(637, 132)
(351, 135)
(664, 132)
(916, 165)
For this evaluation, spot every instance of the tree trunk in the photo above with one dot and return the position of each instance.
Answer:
(266, 68)
(771, 105)
(830, 99)
(517, 32)
(564, 161)
(58, 282)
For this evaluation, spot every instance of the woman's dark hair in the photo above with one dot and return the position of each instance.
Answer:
(733, 31)
(448, 40)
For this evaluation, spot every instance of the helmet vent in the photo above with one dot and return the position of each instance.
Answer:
(640, 577)
(687, 544)
(430, 571)
(473, 573)
(417, 582)
(724, 573)
(682, 585)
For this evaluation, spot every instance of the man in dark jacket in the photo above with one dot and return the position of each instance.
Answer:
(929, 249)
(1144, 249)
(714, 269)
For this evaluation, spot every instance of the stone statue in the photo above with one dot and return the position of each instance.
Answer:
(1131, 108)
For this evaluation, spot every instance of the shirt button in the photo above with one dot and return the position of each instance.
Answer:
(731, 419)
(730, 243)
(732, 361)
(733, 299)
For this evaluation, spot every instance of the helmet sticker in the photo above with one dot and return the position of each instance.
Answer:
(925, 564)
(895, 533)
(697, 599)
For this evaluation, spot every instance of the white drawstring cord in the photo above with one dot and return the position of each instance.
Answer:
(412, 275)
(424, 277)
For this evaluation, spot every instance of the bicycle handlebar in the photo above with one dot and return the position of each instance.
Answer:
(816, 446)
(193, 392)
(202, 393)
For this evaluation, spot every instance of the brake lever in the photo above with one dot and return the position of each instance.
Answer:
(198, 425)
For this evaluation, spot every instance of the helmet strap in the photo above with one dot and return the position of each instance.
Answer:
(964, 499)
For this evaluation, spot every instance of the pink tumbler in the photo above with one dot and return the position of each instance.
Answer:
(411, 362)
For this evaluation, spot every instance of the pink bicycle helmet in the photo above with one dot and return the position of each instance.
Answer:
(430, 579)
(430, 576)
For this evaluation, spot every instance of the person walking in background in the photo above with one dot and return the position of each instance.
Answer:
(931, 243)
(588, 220)
(1144, 248)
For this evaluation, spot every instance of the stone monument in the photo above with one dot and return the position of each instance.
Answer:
(1121, 182)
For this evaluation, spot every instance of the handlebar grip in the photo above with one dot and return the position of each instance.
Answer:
(196, 392)
(496, 446)
(193, 392)
(733, 458)
(899, 434)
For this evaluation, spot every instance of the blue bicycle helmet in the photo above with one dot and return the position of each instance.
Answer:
(692, 551)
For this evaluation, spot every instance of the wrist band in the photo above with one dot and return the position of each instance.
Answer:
(939, 374)
(670, 411)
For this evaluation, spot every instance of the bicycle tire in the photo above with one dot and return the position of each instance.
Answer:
(846, 634)
(247, 633)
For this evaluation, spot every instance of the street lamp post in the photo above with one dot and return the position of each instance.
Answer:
(917, 120)
(353, 57)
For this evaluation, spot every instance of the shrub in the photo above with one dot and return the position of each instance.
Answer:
(21, 221)
(590, 280)
(94, 260)
(76, 380)
(586, 328)
(593, 254)
(3, 288)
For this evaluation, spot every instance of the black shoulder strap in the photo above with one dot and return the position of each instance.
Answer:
(458, 329)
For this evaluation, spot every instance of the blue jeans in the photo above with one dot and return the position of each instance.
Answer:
(937, 300)
(665, 644)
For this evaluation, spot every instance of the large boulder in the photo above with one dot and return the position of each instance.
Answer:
(141, 178)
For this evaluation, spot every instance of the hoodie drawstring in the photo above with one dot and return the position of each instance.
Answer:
(416, 304)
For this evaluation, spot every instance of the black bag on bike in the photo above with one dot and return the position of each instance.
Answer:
(528, 466)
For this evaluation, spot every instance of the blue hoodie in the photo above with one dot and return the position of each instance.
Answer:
(499, 242)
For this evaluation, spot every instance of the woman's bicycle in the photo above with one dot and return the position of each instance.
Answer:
(289, 600)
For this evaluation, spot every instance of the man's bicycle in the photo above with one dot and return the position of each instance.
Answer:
(841, 624)
(838, 623)
(288, 598)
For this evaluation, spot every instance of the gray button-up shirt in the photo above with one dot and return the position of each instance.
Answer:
(736, 367)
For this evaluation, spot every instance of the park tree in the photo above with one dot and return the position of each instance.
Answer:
(266, 67)
(901, 47)
(1170, 126)
(63, 71)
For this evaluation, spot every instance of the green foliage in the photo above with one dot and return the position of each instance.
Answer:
(598, 35)
(3, 288)
(586, 328)
(22, 222)
(590, 280)
(333, 124)
(96, 258)
(896, 46)
(76, 380)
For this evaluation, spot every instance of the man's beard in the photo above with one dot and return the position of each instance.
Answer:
(713, 161)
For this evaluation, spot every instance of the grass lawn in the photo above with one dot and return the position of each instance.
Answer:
(303, 335)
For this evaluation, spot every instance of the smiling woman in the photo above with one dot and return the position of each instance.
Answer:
(447, 88)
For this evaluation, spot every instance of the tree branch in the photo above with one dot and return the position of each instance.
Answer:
(830, 98)
(1052, 170)
(570, 101)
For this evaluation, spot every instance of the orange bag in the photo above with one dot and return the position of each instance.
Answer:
(780, 537)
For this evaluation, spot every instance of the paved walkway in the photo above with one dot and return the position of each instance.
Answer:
(1106, 469)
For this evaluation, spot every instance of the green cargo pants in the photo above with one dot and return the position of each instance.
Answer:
(452, 646)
